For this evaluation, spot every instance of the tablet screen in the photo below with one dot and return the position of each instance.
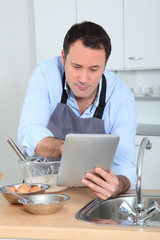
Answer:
(82, 153)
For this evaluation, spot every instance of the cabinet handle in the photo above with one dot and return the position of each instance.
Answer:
(136, 58)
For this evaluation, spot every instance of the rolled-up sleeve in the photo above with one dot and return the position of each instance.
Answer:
(36, 111)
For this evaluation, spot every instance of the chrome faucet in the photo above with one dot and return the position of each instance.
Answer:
(145, 144)
(139, 214)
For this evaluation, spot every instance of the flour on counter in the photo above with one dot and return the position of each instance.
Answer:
(48, 179)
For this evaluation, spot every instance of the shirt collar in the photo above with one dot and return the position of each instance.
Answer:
(96, 101)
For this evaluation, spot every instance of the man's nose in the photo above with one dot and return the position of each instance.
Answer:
(83, 77)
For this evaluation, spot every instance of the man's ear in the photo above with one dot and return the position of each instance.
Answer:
(62, 53)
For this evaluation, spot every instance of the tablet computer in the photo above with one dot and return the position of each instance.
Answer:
(83, 152)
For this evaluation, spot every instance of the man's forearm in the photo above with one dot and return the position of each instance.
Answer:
(124, 184)
(50, 147)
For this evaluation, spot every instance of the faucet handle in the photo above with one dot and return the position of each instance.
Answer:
(126, 210)
(139, 219)
(153, 210)
(148, 145)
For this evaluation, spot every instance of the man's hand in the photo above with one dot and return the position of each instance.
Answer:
(50, 147)
(106, 184)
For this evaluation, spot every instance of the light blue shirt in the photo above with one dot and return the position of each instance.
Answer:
(44, 92)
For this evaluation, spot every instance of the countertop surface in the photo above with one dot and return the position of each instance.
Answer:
(15, 222)
(148, 129)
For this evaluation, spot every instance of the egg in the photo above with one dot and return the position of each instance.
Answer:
(35, 188)
(23, 189)
(12, 189)
(1, 174)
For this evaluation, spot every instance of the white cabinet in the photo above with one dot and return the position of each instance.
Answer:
(151, 163)
(54, 18)
(142, 34)
(133, 26)
(109, 14)
(52, 21)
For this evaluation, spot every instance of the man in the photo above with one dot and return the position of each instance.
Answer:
(74, 94)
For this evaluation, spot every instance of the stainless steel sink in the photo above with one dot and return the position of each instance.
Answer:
(126, 210)
(107, 212)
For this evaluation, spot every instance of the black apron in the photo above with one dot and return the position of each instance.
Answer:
(64, 121)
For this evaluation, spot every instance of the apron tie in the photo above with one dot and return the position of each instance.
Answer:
(100, 108)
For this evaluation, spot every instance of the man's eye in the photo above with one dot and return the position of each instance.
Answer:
(93, 70)
(76, 67)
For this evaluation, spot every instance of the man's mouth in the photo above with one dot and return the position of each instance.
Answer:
(82, 87)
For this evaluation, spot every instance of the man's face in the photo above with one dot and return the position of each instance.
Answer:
(84, 68)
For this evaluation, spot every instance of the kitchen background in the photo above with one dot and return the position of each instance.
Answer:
(33, 30)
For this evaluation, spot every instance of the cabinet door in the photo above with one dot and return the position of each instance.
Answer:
(52, 21)
(142, 34)
(109, 14)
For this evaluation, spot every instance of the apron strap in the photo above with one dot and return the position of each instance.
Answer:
(64, 93)
(99, 110)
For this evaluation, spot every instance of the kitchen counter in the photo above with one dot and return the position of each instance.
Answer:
(15, 222)
(148, 129)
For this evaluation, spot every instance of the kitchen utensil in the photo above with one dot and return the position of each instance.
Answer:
(48, 203)
(37, 170)
(14, 199)
(16, 149)
(47, 169)
(24, 200)
(24, 159)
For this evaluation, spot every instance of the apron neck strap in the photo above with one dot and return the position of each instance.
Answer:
(64, 93)
(100, 108)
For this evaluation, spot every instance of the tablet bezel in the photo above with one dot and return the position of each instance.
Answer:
(81, 154)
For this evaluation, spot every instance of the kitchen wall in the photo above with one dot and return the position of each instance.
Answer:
(18, 59)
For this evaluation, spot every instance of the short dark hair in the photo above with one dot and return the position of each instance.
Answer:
(92, 36)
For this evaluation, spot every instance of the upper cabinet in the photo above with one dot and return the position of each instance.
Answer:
(109, 14)
(52, 21)
(142, 34)
(133, 26)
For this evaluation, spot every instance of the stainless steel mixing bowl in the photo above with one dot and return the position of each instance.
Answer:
(47, 203)
(13, 199)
